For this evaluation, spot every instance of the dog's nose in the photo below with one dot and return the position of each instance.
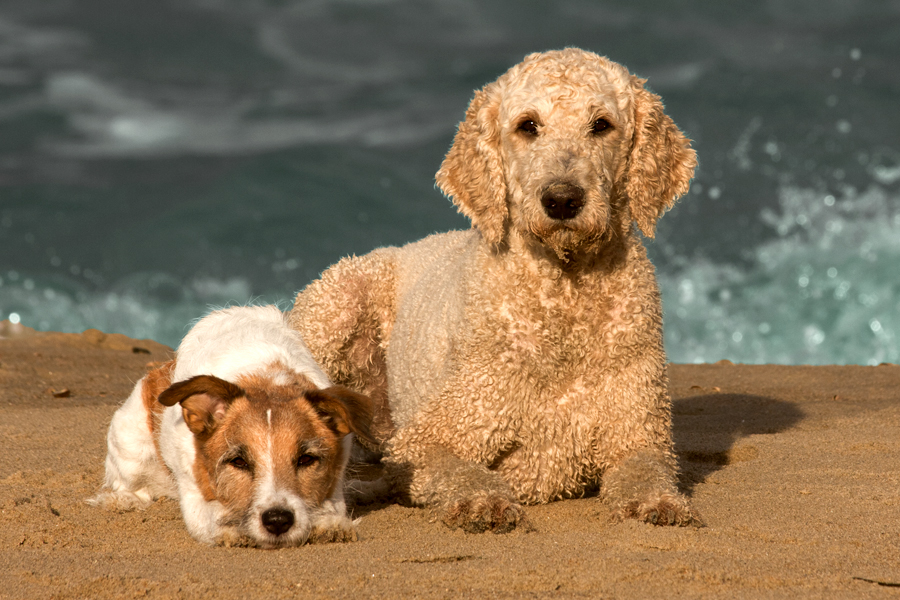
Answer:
(563, 201)
(277, 520)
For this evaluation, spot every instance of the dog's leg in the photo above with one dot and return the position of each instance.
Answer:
(330, 523)
(462, 493)
(135, 477)
(640, 478)
(643, 486)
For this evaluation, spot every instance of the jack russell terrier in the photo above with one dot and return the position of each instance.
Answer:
(246, 429)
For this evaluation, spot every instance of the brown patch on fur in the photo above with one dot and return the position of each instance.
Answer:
(155, 382)
(204, 401)
(344, 410)
(296, 429)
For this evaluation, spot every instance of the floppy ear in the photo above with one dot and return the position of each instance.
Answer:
(472, 172)
(662, 161)
(204, 400)
(345, 411)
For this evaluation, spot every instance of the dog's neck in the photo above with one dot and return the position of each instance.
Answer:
(588, 261)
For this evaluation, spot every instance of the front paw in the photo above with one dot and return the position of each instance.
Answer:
(337, 529)
(485, 512)
(666, 509)
(122, 500)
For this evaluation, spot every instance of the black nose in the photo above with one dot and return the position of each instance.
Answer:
(277, 520)
(563, 201)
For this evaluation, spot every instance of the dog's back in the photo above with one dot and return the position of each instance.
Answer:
(234, 341)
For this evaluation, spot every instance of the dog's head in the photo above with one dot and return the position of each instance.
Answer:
(566, 149)
(271, 454)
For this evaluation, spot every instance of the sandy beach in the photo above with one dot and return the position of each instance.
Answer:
(796, 471)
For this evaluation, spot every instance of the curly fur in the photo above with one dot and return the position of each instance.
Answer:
(522, 360)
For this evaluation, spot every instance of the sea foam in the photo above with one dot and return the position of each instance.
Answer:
(825, 290)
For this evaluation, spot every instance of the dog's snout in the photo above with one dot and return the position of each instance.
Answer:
(563, 201)
(277, 520)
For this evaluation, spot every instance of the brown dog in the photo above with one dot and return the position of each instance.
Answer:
(522, 361)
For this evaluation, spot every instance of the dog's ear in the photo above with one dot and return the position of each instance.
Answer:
(472, 172)
(344, 411)
(662, 161)
(204, 400)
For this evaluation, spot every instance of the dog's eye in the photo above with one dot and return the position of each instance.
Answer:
(528, 127)
(307, 460)
(599, 126)
(239, 463)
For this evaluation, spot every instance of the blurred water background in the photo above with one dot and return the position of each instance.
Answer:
(157, 158)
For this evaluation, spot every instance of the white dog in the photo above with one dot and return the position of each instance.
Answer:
(246, 429)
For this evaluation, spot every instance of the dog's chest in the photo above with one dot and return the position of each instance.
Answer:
(557, 347)
(551, 333)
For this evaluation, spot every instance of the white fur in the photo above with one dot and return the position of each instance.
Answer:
(237, 340)
(227, 344)
(134, 475)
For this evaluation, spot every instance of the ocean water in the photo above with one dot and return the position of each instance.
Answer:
(157, 159)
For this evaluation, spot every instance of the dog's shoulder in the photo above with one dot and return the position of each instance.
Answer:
(437, 250)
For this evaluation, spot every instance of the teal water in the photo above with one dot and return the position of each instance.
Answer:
(156, 160)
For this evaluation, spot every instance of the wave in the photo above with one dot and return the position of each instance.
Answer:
(107, 123)
(824, 291)
(146, 305)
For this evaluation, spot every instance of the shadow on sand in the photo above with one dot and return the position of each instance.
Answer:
(707, 429)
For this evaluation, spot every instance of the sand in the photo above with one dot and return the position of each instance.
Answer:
(796, 471)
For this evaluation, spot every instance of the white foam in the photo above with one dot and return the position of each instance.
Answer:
(131, 307)
(825, 291)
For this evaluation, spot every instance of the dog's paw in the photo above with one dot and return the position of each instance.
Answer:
(486, 512)
(328, 536)
(121, 501)
(231, 538)
(343, 530)
(666, 509)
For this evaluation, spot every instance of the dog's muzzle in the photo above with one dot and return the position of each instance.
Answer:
(563, 201)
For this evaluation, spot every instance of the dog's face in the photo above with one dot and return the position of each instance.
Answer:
(565, 134)
(566, 149)
(269, 453)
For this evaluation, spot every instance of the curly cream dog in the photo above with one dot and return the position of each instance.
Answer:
(522, 361)
(245, 429)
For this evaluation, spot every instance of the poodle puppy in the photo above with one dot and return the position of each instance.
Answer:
(522, 361)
